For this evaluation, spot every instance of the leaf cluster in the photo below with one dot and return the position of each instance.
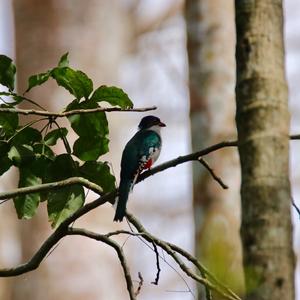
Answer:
(31, 150)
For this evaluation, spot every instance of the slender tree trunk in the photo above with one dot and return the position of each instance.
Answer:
(88, 30)
(262, 119)
(211, 40)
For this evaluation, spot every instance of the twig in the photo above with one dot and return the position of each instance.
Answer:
(296, 207)
(164, 245)
(34, 262)
(202, 269)
(182, 159)
(155, 282)
(295, 137)
(212, 173)
(138, 290)
(118, 249)
(162, 256)
(52, 186)
(72, 112)
(110, 196)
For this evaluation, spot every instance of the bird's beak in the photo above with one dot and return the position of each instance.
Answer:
(161, 124)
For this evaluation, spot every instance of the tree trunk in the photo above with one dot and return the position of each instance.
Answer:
(262, 119)
(45, 30)
(211, 40)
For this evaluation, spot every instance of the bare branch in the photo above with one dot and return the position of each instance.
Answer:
(72, 112)
(295, 137)
(52, 186)
(138, 290)
(113, 244)
(165, 246)
(182, 159)
(212, 173)
(155, 282)
(60, 232)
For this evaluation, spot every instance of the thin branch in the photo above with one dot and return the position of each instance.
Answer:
(212, 173)
(164, 245)
(155, 282)
(138, 290)
(71, 112)
(109, 197)
(51, 186)
(204, 272)
(113, 244)
(182, 159)
(296, 207)
(155, 241)
(34, 262)
(295, 137)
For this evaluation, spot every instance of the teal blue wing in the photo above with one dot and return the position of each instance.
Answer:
(136, 149)
(136, 152)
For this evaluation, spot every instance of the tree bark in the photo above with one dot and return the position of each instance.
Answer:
(210, 45)
(45, 30)
(262, 119)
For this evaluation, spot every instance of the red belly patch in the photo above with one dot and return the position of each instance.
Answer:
(148, 164)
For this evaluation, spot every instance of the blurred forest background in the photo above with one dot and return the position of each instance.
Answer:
(173, 54)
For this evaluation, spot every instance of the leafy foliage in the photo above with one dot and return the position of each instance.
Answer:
(53, 136)
(8, 121)
(7, 72)
(99, 173)
(31, 149)
(76, 82)
(26, 205)
(112, 95)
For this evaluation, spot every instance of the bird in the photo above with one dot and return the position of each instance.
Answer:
(139, 154)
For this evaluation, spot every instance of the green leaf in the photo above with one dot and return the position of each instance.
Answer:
(28, 136)
(18, 99)
(90, 148)
(40, 168)
(5, 162)
(5, 93)
(26, 205)
(62, 168)
(76, 82)
(52, 137)
(43, 150)
(7, 72)
(8, 121)
(99, 173)
(21, 155)
(63, 203)
(92, 124)
(113, 95)
(37, 79)
(64, 61)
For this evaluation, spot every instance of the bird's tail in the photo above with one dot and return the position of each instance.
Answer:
(124, 189)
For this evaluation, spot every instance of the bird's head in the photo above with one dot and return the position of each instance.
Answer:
(151, 121)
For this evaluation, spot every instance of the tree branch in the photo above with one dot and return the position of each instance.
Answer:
(52, 186)
(155, 241)
(140, 284)
(182, 159)
(62, 230)
(166, 247)
(118, 249)
(71, 112)
(212, 173)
